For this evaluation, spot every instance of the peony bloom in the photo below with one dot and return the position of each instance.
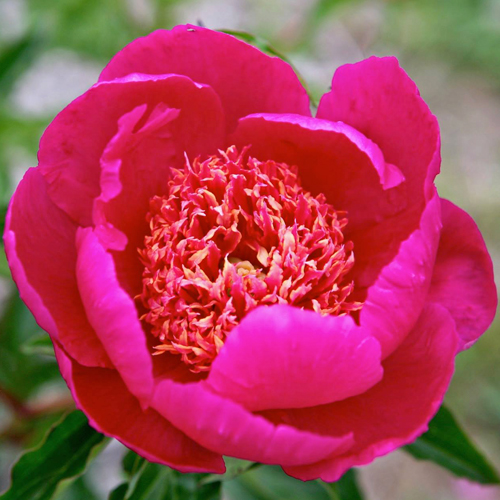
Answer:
(223, 274)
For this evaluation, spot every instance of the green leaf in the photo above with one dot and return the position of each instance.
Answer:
(131, 463)
(446, 444)
(4, 265)
(271, 483)
(22, 375)
(14, 59)
(119, 492)
(39, 345)
(63, 454)
(158, 482)
(191, 487)
(143, 482)
(234, 468)
(3, 214)
(346, 488)
(258, 42)
(77, 489)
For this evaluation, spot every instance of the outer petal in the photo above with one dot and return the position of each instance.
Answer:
(227, 428)
(71, 147)
(140, 154)
(333, 159)
(377, 97)
(246, 80)
(284, 357)
(40, 248)
(395, 301)
(395, 411)
(113, 315)
(350, 170)
(342, 163)
(111, 409)
(136, 165)
(463, 275)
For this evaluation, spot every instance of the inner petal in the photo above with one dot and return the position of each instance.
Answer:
(233, 233)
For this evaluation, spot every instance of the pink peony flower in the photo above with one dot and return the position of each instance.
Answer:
(223, 274)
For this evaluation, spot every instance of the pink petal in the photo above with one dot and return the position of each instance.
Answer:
(336, 160)
(40, 248)
(378, 99)
(72, 145)
(111, 409)
(227, 428)
(463, 275)
(333, 159)
(285, 357)
(113, 315)
(394, 412)
(136, 165)
(350, 170)
(246, 80)
(394, 302)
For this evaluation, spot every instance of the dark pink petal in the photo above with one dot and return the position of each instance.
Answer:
(394, 412)
(40, 248)
(112, 313)
(111, 409)
(225, 427)
(463, 275)
(246, 80)
(72, 145)
(350, 170)
(285, 357)
(333, 159)
(377, 98)
(136, 165)
(394, 302)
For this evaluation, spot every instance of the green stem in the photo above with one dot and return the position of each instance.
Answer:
(330, 489)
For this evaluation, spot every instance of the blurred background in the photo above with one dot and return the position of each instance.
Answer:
(52, 51)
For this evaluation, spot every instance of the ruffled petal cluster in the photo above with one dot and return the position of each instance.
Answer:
(316, 387)
(233, 234)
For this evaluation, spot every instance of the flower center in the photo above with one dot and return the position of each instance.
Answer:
(234, 233)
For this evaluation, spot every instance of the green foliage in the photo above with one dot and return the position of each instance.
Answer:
(464, 32)
(3, 214)
(22, 375)
(39, 344)
(148, 481)
(320, 12)
(4, 266)
(243, 480)
(91, 27)
(258, 42)
(234, 468)
(95, 28)
(77, 489)
(62, 455)
(447, 445)
(346, 488)
(15, 58)
(271, 483)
